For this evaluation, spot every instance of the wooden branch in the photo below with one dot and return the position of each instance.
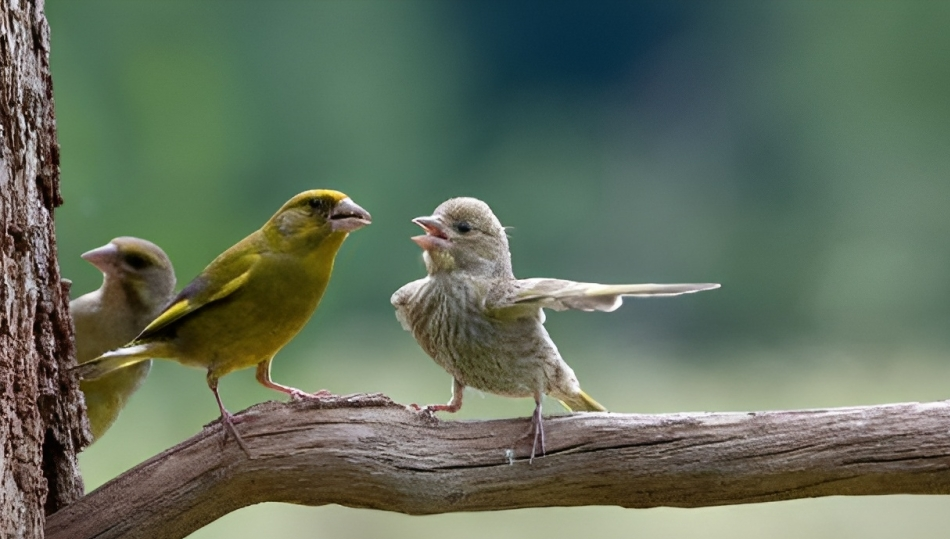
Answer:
(366, 451)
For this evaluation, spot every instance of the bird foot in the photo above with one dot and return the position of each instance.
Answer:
(323, 394)
(535, 434)
(428, 412)
(431, 409)
(228, 422)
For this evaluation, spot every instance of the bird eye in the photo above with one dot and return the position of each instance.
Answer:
(316, 203)
(136, 261)
(463, 227)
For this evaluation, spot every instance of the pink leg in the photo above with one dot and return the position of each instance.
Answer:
(263, 376)
(226, 418)
(453, 405)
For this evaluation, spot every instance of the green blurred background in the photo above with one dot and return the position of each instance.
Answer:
(797, 152)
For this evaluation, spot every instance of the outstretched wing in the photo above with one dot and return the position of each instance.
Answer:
(561, 295)
(219, 280)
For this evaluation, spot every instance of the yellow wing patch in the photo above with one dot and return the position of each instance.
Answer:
(190, 302)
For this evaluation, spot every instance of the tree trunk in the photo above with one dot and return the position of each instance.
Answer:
(41, 418)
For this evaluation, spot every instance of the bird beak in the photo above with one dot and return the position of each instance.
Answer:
(436, 236)
(347, 216)
(103, 257)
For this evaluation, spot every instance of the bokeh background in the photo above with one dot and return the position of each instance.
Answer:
(797, 152)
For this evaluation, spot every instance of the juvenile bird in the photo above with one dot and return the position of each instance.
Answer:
(251, 300)
(137, 282)
(484, 326)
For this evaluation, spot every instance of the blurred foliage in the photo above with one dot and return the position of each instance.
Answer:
(796, 152)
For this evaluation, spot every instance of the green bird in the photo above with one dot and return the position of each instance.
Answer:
(251, 300)
(137, 283)
(484, 326)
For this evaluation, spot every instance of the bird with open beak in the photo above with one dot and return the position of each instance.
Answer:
(484, 326)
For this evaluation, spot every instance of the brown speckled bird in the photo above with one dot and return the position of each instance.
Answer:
(137, 282)
(484, 326)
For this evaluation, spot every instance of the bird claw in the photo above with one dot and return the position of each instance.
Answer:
(427, 412)
(535, 434)
(298, 395)
(228, 422)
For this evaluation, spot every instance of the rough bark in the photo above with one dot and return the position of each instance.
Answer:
(40, 411)
(368, 452)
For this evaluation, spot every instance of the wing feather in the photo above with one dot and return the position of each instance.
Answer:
(561, 295)
(401, 301)
(202, 291)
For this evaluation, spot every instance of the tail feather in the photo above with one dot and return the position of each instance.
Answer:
(114, 360)
(582, 402)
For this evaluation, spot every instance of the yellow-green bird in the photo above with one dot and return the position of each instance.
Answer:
(137, 283)
(251, 300)
(484, 326)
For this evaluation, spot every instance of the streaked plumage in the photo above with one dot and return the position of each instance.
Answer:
(252, 299)
(137, 282)
(484, 326)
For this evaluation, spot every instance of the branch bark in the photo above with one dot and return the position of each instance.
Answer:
(366, 451)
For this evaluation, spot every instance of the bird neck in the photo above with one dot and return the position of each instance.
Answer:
(320, 257)
(115, 289)
(442, 263)
(438, 261)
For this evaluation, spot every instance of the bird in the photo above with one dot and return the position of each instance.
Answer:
(251, 300)
(138, 281)
(484, 326)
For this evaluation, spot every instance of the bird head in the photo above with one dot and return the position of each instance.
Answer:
(313, 215)
(463, 234)
(138, 266)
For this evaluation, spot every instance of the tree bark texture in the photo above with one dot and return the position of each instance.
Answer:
(365, 451)
(41, 418)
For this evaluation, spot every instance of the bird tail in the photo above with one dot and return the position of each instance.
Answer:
(582, 402)
(114, 360)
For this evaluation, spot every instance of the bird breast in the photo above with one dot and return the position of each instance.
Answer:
(448, 319)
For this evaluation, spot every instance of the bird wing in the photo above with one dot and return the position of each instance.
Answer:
(561, 295)
(401, 298)
(221, 279)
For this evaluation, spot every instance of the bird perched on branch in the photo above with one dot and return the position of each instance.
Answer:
(484, 326)
(137, 282)
(251, 300)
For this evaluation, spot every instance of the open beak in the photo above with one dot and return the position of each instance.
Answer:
(347, 216)
(435, 237)
(103, 257)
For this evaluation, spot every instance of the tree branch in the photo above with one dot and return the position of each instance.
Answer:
(366, 451)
